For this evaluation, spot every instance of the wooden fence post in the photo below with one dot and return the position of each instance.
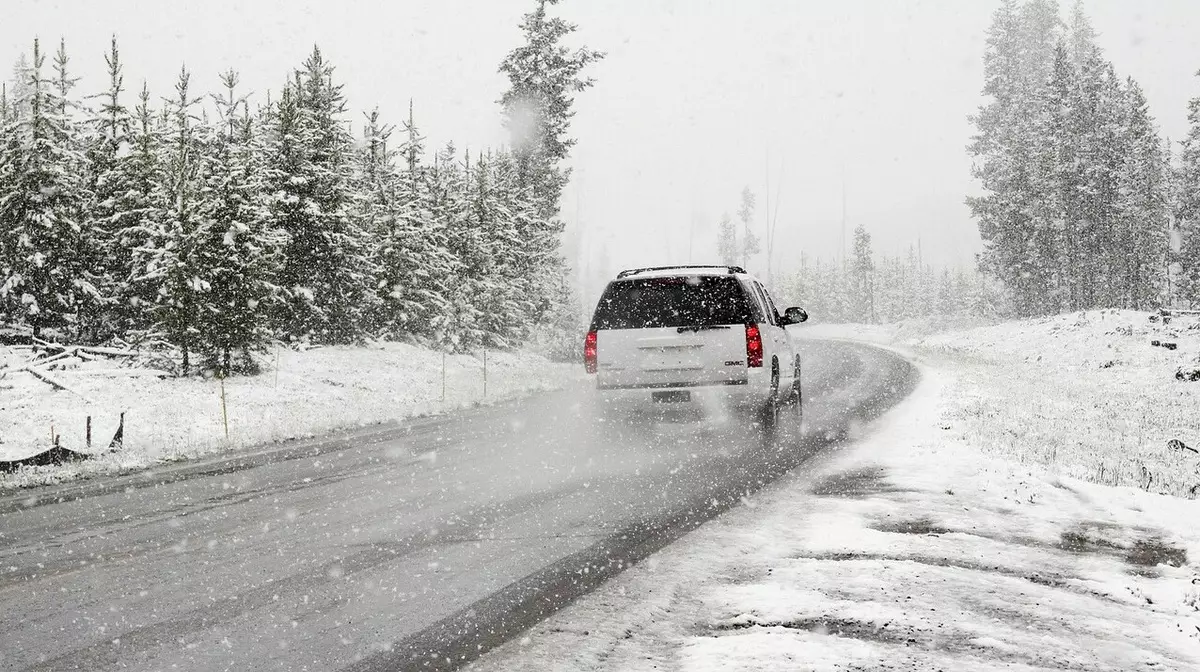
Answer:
(224, 412)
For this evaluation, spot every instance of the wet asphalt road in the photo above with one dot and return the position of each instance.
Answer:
(416, 547)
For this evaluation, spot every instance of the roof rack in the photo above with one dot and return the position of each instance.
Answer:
(635, 271)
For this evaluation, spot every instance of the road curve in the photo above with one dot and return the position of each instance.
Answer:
(417, 547)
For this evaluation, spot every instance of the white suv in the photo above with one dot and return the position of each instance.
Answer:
(693, 336)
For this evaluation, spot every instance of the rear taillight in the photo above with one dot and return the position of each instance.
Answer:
(754, 350)
(589, 352)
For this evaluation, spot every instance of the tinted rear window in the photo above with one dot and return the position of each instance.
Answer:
(672, 302)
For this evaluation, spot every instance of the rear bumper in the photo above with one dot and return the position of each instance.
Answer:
(709, 398)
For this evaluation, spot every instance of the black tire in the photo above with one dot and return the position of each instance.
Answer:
(797, 396)
(769, 415)
(795, 403)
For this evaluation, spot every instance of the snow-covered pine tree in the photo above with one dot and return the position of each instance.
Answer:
(727, 241)
(1109, 159)
(544, 76)
(1081, 36)
(135, 227)
(963, 292)
(9, 148)
(915, 296)
(172, 264)
(885, 288)
(825, 290)
(1055, 143)
(1142, 208)
(945, 295)
(90, 324)
(805, 288)
(906, 293)
(418, 294)
(861, 280)
(110, 126)
(1171, 264)
(1052, 166)
(1074, 73)
(523, 271)
(1040, 26)
(750, 244)
(1039, 35)
(1088, 178)
(9, 163)
(238, 250)
(20, 93)
(450, 205)
(1064, 131)
(501, 319)
(378, 212)
(834, 286)
(1001, 151)
(844, 294)
(1187, 225)
(43, 201)
(795, 285)
(327, 269)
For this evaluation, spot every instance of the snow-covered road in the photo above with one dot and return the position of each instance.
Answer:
(376, 550)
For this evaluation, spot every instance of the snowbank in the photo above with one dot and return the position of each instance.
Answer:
(1087, 393)
(301, 394)
(912, 550)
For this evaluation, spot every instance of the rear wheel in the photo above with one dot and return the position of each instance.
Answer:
(769, 415)
(795, 400)
(797, 395)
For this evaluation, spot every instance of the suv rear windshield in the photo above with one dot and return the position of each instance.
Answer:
(683, 301)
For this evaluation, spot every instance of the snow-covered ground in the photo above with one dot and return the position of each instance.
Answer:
(1085, 393)
(300, 394)
(932, 542)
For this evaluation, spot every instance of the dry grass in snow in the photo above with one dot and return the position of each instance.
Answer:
(1087, 393)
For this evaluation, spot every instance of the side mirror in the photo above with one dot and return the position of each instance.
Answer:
(794, 316)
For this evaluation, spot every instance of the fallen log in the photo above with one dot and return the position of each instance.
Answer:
(37, 362)
(110, 352)
(58, 384)
(130, 373)
(92, 349)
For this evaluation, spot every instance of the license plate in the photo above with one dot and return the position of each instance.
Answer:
(672, 397)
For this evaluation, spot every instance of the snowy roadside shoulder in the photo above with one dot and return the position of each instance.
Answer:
(1107, 396)
(301, 394)
(910, 550)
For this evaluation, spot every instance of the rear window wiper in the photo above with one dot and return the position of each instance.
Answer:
(701, 327)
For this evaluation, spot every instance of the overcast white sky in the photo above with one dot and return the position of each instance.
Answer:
(695, 98)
